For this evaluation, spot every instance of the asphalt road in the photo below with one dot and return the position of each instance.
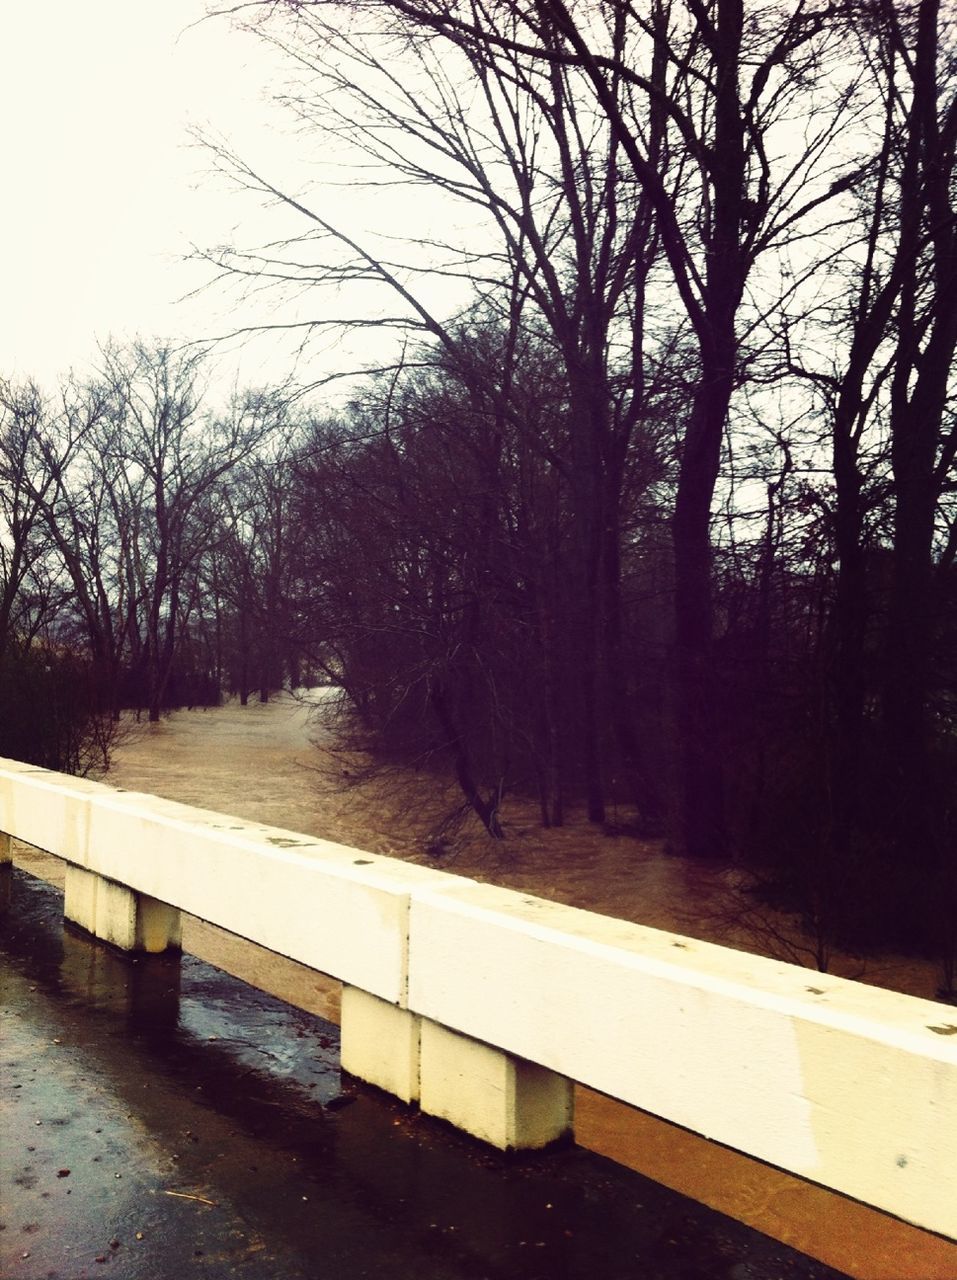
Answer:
(161, 1119)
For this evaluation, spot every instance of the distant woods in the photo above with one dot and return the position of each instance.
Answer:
(660, 524)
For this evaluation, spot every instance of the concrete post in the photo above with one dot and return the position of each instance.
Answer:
(380, 1043)
(491, 1094)
(6, 869)
(495, 1096)
(129, 920)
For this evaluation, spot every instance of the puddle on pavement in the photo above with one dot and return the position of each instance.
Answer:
(164, 1119)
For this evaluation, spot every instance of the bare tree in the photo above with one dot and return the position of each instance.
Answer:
(170, 457)
(596, 141)
(56, 695)
(61, 473)
(884, 376)
(572, 247)
(253, 567)
(23, 549)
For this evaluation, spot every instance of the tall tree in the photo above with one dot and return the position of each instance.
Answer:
(171, 457)
(565, 245)
(254, 566)
(22, 547)
(69, 482)
(607, 135)
(923, 425)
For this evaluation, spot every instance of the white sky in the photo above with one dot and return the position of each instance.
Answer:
(103, 193)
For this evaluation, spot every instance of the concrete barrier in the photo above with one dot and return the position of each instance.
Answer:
(484, 1004)
(337, 909)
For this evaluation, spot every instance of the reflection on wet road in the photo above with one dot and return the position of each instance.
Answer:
(164, 1120)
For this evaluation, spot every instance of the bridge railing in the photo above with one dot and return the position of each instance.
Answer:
(484, 1005)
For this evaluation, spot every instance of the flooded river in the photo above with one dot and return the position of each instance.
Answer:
(281, 763)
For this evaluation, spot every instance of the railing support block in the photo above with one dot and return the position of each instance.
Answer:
(380, 1043)
(504, 1100)
(121, 916)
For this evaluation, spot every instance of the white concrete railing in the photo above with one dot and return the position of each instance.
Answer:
(483, 1004)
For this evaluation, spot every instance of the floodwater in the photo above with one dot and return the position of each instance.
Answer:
(162, 1120)
(281, 763)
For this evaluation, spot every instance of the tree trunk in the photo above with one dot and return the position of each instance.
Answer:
(632, 757)
(486, 810)
(586, 622)
(850, 622)
(701, 782)
(701, 785)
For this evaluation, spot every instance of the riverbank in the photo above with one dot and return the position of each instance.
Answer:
(283, 762)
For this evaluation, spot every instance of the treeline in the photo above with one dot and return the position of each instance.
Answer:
(437, 547)
(661, 521)
(685, 458)
(126, 551)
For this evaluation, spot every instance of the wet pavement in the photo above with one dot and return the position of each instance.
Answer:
(161, 1119)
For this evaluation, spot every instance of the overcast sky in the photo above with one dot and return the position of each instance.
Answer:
(100, 182)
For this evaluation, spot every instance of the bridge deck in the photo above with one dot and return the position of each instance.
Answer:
(210, 1120)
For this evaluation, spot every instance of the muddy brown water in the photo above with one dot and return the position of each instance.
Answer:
(282, 763)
